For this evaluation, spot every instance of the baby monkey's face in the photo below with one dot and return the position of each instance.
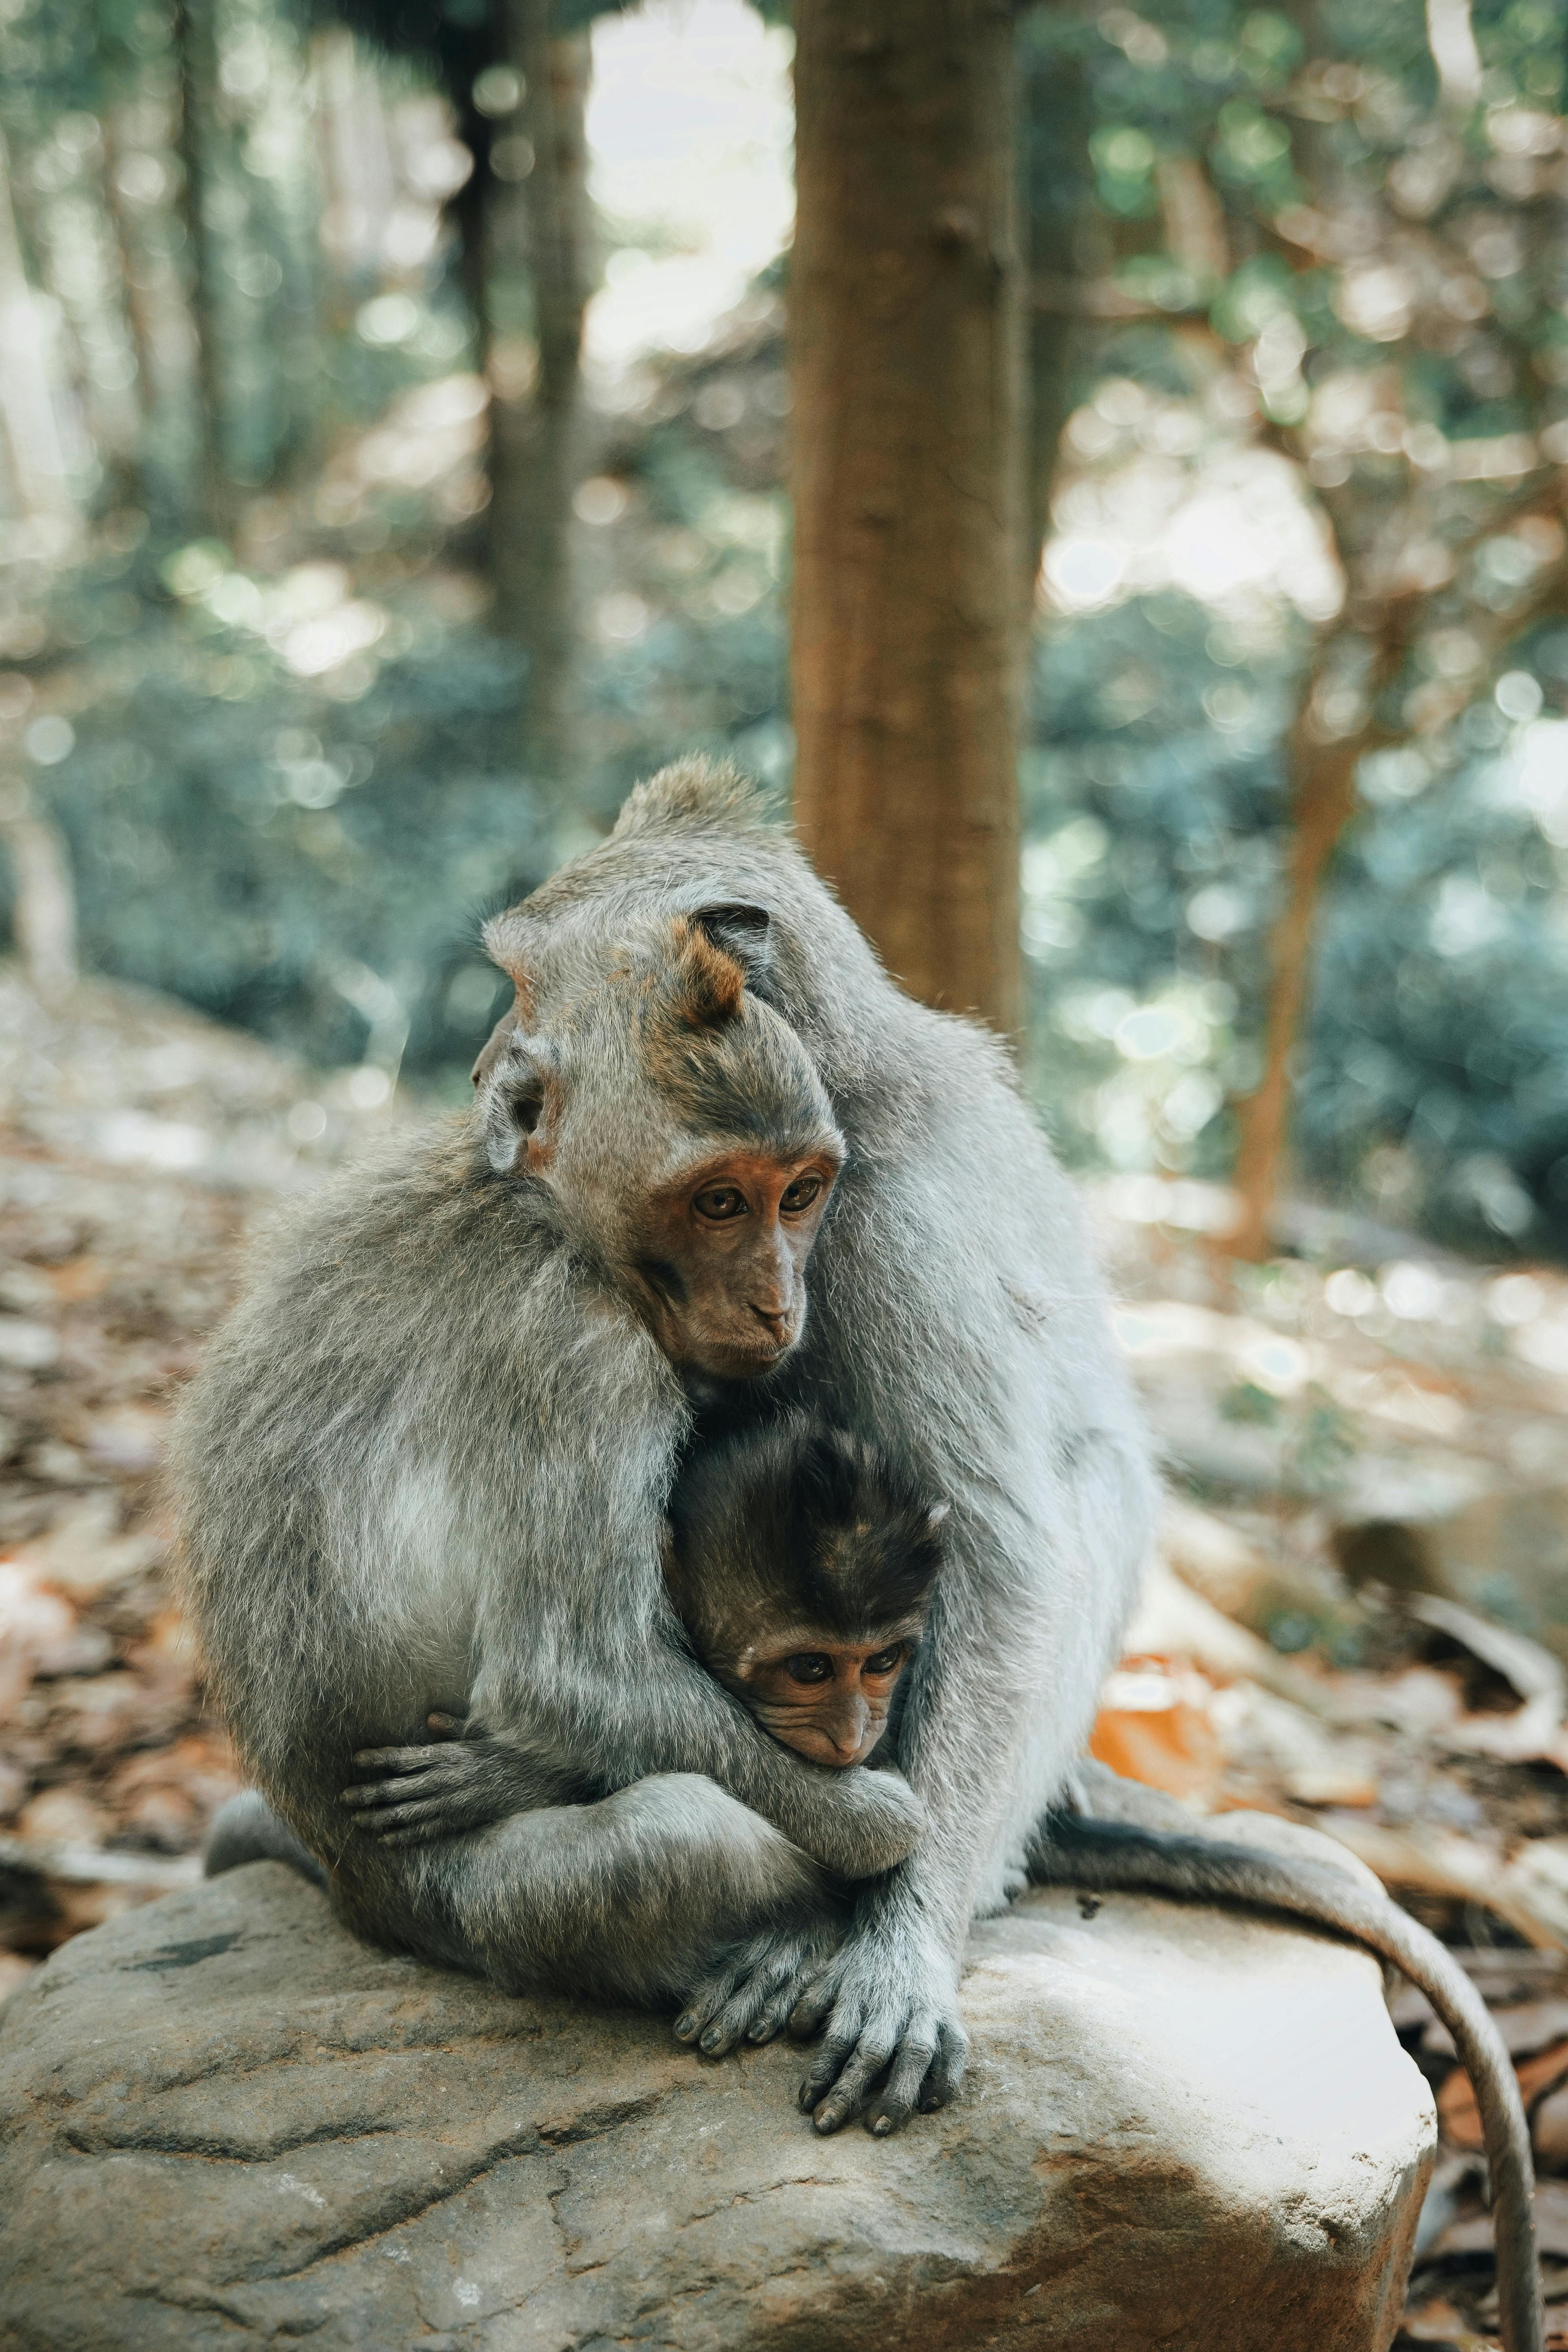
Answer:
(826, 1697)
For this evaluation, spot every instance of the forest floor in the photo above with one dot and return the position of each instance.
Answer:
(1361, 1620)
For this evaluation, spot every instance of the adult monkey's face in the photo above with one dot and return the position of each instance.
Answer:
(722, 1268)
(676, 1121)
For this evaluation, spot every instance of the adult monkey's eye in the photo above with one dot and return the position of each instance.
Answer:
(800, 1194)
(720, 1200)
(810, 1666)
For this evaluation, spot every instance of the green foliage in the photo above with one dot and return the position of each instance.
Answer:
(312, 864)
(703, 556)
(1372, 269)
(1246, 226)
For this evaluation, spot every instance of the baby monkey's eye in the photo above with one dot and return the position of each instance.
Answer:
(799, 1195)
(810, 1666)
(885, 1662)
(719, 1202)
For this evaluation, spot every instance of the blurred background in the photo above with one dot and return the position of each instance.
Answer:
(395, 409)
(373, 515)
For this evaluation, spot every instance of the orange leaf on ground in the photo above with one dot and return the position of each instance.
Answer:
(1457, 2113)
(1154, 1725)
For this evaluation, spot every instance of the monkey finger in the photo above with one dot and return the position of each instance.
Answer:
(841, 2041)
(774, 2015)
(448, 1727)
(765, 1993)
(892, 2107)
(430, 1781)
(944, 2078)
(371, 1796)
(813, 2005)
(421, 1776)
(430, 1814)
(441, 1755)
(854, 2086)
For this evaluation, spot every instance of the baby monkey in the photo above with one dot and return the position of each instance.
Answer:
(801, 1564)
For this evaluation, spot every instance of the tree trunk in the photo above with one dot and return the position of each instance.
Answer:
(29, 425)
(43, 906)
(196, 47)
(1323, 802)
(1059, 206)
(535, 438)
(906, 350)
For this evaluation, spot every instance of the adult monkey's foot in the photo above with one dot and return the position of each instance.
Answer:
(750, 1994)
(893, 2042)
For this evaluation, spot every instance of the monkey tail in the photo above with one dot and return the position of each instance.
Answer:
(1074, 1850)
(248, 1829)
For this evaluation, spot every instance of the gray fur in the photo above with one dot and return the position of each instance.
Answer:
(427, 1463)
(246, 1830)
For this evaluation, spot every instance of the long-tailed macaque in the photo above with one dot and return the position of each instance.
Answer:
(426, 1462)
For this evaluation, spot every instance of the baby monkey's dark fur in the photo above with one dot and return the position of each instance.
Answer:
(797, 1523)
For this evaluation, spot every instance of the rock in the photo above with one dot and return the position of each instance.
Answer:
(225, 2122)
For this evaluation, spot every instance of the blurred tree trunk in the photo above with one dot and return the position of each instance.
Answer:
(1054, 341)
(1059, 206)
(906, 337)
(148, 307)
(28, 421)
(43, 911)
(1322, 770)
(536, 438)
(196, 49)
(1323, 803)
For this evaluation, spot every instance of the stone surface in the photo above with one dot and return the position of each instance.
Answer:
(223, 2122)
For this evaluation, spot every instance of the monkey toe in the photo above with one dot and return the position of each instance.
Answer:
(750, 1996)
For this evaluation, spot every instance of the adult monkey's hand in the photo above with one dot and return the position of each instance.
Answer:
(893, 2042)
(888, 1993)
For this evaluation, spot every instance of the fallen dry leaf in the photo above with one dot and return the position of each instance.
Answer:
(1473, 2235)
(1459, 2117)
(1154, 1725)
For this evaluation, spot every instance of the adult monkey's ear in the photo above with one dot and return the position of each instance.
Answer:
(743, 933)
(514, 1100)
(495, 1045)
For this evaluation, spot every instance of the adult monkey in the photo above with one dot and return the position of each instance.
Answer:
(427, 1461)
